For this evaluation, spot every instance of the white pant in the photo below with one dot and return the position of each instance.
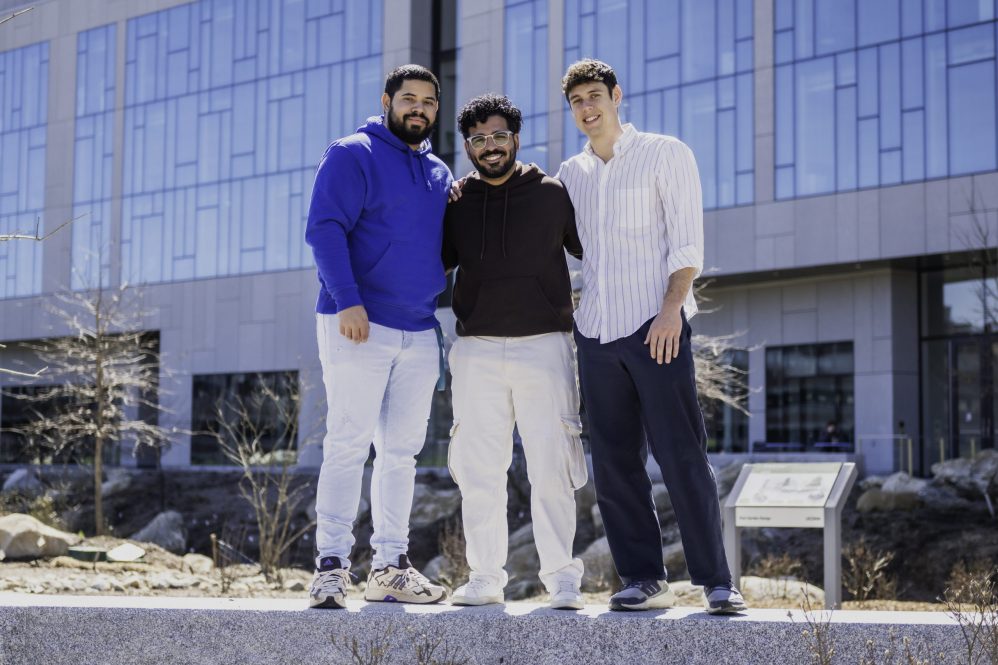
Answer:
(529, 380)
(379, 391)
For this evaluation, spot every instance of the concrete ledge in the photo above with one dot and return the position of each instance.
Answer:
(80, 630)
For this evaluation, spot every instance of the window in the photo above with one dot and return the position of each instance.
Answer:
(727, 426)
(94, 156)
(809, 397)
(685, 67)
(878, 93)
(23, 127)
(960, 300)
(259, 407)
(228, 109)
(525, 75)
(20, 407)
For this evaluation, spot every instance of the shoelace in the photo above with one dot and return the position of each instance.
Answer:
(416, 579)
(332, 580)
(478, 584)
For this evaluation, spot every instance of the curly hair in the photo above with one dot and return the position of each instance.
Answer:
(399, 75)
(485, 106)
(588, 71)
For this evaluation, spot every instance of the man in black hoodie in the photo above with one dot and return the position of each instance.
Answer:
(513, 361)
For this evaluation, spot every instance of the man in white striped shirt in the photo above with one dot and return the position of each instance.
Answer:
(640, 219)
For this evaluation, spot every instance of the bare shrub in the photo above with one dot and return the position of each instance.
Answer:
(436, 651)
(782, 570)
(973, 603)
(374, 652)
(266, 451)
(899, 652)
(817, 634)
(866, 572)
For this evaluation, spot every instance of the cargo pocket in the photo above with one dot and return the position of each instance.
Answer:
(578, 472)
(450, 449)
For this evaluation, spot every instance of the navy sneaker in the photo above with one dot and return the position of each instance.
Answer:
(723, 599)
(644, 595)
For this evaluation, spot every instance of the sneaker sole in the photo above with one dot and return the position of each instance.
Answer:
(328, 603)
(728, 609)
(476, 602)
(666, 602)
(385, 597)
(568, 605)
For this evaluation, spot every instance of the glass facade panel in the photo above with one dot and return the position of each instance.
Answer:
(257, 406)
(525, 75)
(229, 105)
(685, 67)
(94, 156)
(23, 132)
(913, 95)
(809, 398)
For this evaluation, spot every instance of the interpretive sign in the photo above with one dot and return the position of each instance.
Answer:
(789, 495)
(809, 495)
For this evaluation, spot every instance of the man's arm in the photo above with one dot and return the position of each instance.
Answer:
(573, 245)
(448, 252)
(679, 185)
(337, 201)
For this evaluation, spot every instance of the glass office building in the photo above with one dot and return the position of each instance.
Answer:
(848, 152)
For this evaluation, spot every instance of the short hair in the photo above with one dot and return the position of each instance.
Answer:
(485, 106)
(400, 75)
(588, 71)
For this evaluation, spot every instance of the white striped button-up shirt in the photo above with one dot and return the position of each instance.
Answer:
(640, 219)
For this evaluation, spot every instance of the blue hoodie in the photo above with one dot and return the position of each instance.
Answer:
(375, 226)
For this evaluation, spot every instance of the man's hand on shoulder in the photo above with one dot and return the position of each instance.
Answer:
(354, 324)
(665, 333)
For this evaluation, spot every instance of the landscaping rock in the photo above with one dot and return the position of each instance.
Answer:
(597, 518)
(523, 564)
(118, 480)
(197, 564)
(522, 537)
(24, 537)
(899, 491)
(725, 478)
(25, 482)
(600, 573)
(166, 530)
(675, 560)
(430, 505)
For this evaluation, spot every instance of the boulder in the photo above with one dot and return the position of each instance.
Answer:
(523, 564)
(600, 573)
(984, 470)
(522, 537)
(118, 480)
(955, 472)
(197, 564)
(663, 503)
(25, 482)
(585, 499)
(166, 530)
(675, 560)
(24, 537)
(430, 505)
(939, 497)
(898, 491)
(761, 591)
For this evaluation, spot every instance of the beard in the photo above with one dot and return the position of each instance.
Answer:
(411, 136)
(498, 169)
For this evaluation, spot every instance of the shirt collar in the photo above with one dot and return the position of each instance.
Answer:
(622, 143)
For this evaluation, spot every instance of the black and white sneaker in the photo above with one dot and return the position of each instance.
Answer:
(724, 599)
(644, 595)
(329, 585)
(402, 584)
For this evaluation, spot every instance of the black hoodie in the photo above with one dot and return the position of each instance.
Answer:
(509, 243)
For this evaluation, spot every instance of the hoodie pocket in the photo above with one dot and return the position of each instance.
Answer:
(511, 299)
(578, 471)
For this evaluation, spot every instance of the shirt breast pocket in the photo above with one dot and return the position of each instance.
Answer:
(634, 208)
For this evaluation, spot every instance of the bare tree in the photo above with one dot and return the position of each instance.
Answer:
(260, 432)
(14, 15)
(105, 373)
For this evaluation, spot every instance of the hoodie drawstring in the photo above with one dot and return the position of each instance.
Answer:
(505, 208)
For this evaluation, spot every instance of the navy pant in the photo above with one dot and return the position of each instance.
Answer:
(627, 391)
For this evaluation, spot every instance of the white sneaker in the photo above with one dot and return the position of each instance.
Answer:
(567, 596)
(329, 585)
(478, 591)
(402, 584)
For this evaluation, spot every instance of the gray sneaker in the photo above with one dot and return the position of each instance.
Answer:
(329, 585)
(724, 599)
(644, 595)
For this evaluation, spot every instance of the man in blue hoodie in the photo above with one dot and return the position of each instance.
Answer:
(375, 226)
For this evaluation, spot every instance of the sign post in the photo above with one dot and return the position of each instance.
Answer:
(799, 495)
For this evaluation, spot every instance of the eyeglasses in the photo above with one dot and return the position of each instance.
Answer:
(500, 138)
